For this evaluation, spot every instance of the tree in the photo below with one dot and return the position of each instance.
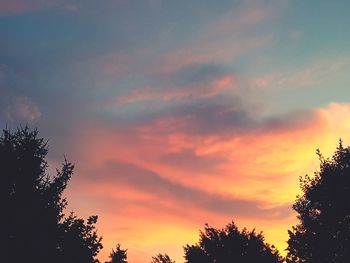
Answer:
(118, 256)
(231, 245)
(79, 240)
(34, 227)
(323, 232)
(162, 258)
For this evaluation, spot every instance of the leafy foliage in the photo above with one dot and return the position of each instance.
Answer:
(33, 225)
(162, 258)
(118, 256)
(79, 240)
(323, 232)
(231, 245)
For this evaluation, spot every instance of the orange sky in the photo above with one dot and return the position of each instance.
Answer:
(153, 188)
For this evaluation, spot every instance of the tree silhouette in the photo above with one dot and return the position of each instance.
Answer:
(79, 240)
(118, 256)
(33, 225)
(231, 245)
(162, 258)
(323, 232)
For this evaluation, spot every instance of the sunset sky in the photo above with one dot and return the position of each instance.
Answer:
(179, 113)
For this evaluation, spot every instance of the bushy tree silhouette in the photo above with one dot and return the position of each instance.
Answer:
(162, 258)
(231, 245)
(33, 227)
(79, 240)
(118, 255)
(323, 232)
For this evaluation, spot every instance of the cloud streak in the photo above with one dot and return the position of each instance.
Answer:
(192, 82)
(142, 180)
(179, 176)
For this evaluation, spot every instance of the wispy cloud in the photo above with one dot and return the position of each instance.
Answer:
(316, 73)
(21, 110)
(142, 180)
(152, 170)
(193, 82)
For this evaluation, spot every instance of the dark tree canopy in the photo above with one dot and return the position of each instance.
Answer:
(323, 232)
(80, 242)
(231, 245)
(118, 255)
(34, 227)
(162, 258)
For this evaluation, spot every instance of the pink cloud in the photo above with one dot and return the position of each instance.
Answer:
(261, 167)
(202, 89)
(220, 49)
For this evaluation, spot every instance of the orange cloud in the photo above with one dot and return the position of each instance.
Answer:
(155, 187)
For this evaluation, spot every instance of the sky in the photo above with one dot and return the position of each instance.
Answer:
(179, 113)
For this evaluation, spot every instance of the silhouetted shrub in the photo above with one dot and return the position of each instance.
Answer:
(162, 258)
(231, 245)
(118, 256)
